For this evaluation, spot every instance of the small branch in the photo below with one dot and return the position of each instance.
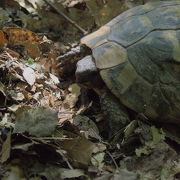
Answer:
(49, 138)
(66, 17)
(112, 159)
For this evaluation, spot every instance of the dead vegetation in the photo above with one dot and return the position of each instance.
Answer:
(51, 127)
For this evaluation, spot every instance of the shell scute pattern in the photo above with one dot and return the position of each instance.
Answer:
(130, 30)
(138, 56)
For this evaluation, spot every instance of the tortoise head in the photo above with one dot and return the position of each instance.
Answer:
(87, 74)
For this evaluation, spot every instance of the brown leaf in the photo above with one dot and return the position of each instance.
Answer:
(24, 37)
(79, 149)
(6, 148)
(3, 40)
(87, 125)
(17, 36)
(72, 97)
(32, 49)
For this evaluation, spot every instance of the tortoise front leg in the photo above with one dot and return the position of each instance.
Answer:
(116, 114)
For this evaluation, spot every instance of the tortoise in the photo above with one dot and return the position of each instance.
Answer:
(137, 55)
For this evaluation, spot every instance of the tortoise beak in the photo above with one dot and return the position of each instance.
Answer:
(86, 70)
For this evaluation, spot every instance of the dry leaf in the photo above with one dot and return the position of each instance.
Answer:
(54, 78)
(6, 148)
(3, 40)
(38, 121)
(17, 36)
(72, 98)
(79, 149)
(29, 75)
(88, 127)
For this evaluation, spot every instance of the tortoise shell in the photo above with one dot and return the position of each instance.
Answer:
(138, 56)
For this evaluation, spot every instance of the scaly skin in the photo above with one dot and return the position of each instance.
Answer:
(115, 113)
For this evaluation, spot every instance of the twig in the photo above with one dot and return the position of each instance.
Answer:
(112, 159)
(66, 17)
(49, 138)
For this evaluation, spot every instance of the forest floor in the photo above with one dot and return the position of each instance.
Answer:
(53, 128)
